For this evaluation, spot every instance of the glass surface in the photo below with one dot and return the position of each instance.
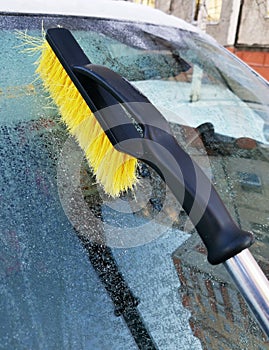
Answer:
(80, 270)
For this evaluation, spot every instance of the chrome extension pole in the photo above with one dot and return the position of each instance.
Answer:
(253, 285)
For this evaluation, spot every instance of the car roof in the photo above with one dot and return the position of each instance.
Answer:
(119, 10)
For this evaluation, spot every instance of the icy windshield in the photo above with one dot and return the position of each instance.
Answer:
(80, 270)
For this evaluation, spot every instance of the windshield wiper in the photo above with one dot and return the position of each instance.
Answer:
(217, 144)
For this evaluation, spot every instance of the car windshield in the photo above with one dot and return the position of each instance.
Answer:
(80, 270)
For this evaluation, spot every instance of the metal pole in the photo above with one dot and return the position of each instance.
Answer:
(252, 284)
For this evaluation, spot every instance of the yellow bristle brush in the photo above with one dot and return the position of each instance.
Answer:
(114, 170)
(115, 125)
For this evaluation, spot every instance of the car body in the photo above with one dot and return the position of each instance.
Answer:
(54, 218)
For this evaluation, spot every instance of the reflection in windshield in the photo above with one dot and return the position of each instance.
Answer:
(62, 285)
(183, 67)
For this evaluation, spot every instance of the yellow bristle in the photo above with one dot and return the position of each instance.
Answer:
(114, 170)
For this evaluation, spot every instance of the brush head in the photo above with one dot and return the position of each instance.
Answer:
(115, 171)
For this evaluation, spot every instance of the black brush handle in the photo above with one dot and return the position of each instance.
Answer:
(101, 88)
(195, 192)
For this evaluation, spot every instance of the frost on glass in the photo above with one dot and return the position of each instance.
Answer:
(54, 294)
(67, 277)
